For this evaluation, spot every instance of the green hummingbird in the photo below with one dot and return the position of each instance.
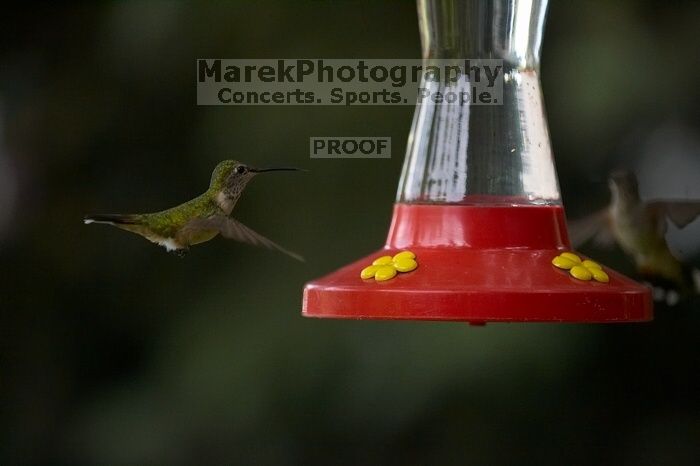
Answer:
(639, 228)
(202, 218)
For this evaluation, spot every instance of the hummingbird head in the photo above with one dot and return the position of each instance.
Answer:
(623, 186)
(231, 176)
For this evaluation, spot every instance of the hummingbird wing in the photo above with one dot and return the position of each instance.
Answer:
(235, 230)
(681, 213)
(595, 227)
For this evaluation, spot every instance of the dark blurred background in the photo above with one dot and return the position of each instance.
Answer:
(114, 352)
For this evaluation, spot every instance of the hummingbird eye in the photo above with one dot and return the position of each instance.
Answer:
(240, 169)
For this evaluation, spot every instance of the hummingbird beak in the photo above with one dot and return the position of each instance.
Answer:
(276, 169)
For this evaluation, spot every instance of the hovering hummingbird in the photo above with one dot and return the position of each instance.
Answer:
(639, 228)
(201, 218)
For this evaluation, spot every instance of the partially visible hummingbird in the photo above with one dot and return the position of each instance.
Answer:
(639, 228)
(202, 218)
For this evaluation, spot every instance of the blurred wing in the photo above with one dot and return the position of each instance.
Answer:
(681, 213)
(595, 227)
(235, 230)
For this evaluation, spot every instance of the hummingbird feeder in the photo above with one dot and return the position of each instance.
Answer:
(478, 231)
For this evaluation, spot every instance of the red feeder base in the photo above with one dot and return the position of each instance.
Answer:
(477, 264)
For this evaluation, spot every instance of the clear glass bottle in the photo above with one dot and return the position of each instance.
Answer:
(497, 154)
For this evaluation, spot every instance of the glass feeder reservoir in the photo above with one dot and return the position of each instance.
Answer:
(478, 206)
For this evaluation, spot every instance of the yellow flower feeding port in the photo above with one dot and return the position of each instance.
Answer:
(386, 267)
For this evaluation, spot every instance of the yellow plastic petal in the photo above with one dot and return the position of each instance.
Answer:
(384, 260)
(563, 262)
(404, 255)
(368, 272)
(571, 256)
(385, 272)
(405, 264)
(581, 272)
(599, 275)
(589, 264)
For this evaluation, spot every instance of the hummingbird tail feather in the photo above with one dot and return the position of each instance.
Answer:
(111, 219)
